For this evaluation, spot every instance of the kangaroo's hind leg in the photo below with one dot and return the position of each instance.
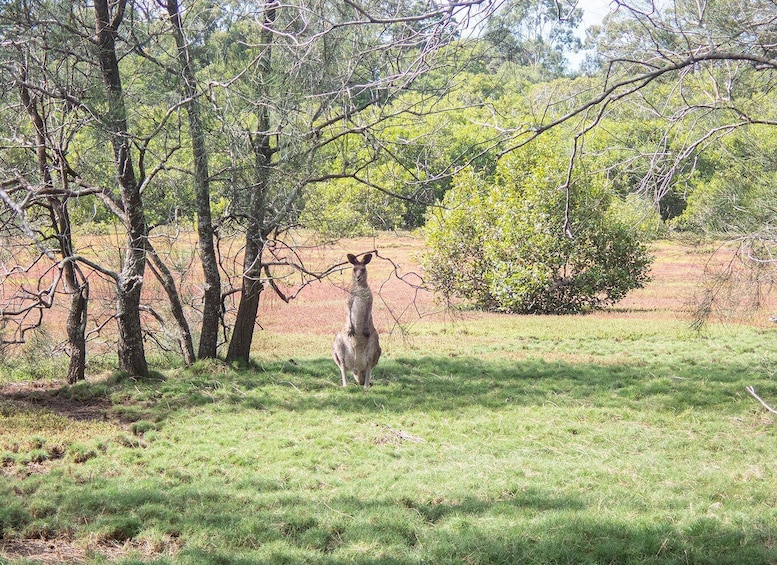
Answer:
(373, 354)
(341, 365)
(367, 377)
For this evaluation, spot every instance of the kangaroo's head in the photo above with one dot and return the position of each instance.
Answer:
(359, 268)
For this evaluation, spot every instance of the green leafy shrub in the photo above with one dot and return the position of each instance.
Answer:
(522, 244)
(639, 213)
(735, 195)
(346, 208)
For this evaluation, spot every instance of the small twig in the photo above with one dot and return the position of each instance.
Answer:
(751, 390)
(292, 385)
(325, 505)
(404, 435)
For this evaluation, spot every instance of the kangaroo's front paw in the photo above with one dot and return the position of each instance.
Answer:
(351, 331)
(367, 334)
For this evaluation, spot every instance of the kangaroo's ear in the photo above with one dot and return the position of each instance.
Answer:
(367, 258)
(352, 259)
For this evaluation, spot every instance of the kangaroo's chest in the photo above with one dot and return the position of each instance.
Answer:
(361, 294)
(360, 306)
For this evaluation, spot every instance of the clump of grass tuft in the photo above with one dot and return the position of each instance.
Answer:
(140, 427)
(116, 528)
(34, 456)
(129, 442)
(80, 453)
(13, 516)
(84, 391)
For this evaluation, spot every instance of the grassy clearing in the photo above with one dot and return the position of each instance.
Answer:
(497, 440)
(619, 437)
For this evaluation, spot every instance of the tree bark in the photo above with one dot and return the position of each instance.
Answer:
(251, 285)
(256, 231)
(211, 311)
(77, 287)
(132, 357)
(243, 332)
(76, 322)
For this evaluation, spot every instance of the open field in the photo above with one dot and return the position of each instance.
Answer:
(619, 437)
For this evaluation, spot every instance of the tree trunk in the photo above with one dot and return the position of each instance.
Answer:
(165, 278)
(77, 287)
(76, 329)
(211, 311)
(75, 284)
(251, 286)
(245, 322)
(256, 231)
(132, 356)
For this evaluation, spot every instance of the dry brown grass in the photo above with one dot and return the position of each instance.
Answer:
(68, 551)
(396, 278)
(678, 275)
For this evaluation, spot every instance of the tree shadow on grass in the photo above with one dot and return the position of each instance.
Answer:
(450, 384)
(399, 385)
(583, 539)
(526, 526)
(275, 524)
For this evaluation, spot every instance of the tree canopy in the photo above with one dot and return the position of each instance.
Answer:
(243, 121)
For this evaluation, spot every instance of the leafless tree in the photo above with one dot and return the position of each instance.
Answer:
(67, 57)
(38, 212)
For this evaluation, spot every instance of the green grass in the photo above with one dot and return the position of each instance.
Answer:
(506, 440)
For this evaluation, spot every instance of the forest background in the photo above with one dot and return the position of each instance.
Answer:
(181, 145)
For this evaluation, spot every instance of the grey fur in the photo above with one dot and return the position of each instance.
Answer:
(357, 347)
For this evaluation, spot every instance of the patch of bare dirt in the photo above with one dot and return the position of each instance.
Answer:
(43, 551)
(69, 552)
(49, 395)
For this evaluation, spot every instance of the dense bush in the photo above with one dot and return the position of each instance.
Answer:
(346, 208)
(733, 195)
(503, 245)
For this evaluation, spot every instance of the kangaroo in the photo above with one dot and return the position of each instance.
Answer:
(356, 346)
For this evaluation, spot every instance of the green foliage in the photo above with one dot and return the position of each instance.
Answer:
(35, 359)
(456, 236)
(534, 33)
(347, 208)
(639, 213)
(506, 246)
(736, 194)
(413, 168)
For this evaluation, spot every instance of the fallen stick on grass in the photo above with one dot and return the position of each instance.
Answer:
(751, 390)
(404, 435)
